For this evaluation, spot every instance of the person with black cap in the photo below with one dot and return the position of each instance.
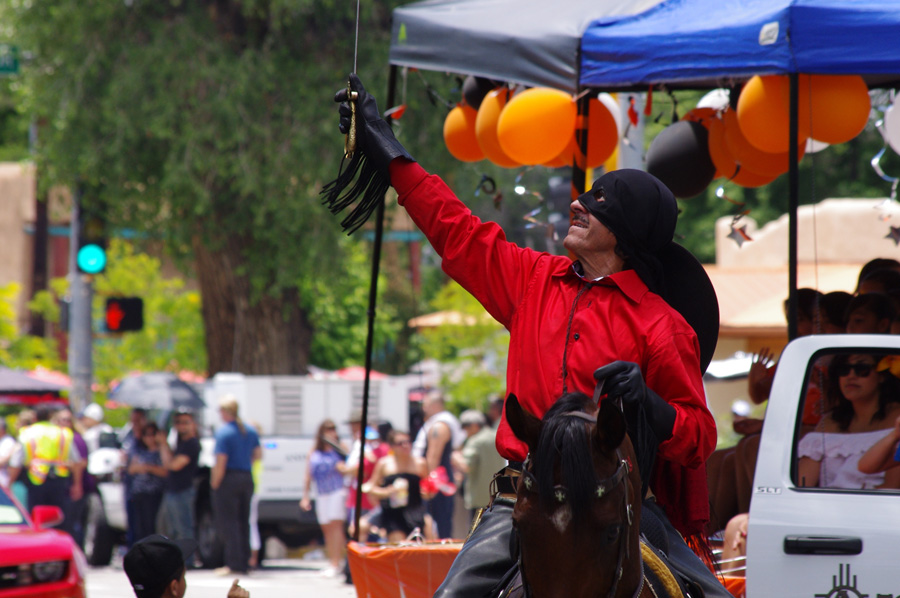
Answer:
(156, 568)
(633, 310)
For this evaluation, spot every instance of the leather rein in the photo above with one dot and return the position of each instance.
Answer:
(601, 489)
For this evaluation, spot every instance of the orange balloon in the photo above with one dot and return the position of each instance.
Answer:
(748, 155)
(747, 178)
(603, 133)
(566, 158)
(486, 127)
(840, 107)
(459, 134)
(536, 125)
(725, 164)
(763, 112)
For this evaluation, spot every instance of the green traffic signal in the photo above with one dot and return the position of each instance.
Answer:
(91, 259)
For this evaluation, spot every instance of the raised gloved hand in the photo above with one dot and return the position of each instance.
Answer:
(624, 379)
(373, 135)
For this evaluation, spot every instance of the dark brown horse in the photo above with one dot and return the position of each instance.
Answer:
(578, 507)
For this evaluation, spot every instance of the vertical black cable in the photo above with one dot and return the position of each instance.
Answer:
(370, 333)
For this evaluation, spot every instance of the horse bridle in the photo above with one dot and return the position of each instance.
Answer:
(601, 489)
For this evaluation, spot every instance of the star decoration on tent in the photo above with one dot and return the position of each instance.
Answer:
(739, 235)
(894, 235)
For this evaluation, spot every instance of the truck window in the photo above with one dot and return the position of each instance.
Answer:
(850, 423)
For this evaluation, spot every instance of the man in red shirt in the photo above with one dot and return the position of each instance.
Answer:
(607, 314)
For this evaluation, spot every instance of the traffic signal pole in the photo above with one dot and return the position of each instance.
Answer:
(80, 336)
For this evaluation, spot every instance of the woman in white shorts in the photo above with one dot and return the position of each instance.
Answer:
(325, 466)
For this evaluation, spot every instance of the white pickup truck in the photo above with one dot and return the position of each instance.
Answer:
(817, 542)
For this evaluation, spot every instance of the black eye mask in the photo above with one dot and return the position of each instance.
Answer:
(636, 207)
(641, 212)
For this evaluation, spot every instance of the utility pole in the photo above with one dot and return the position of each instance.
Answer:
(80, 333)
(41, 227)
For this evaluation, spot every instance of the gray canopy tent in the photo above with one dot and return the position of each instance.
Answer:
(533, 42)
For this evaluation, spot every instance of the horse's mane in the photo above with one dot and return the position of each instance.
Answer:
(564, 440)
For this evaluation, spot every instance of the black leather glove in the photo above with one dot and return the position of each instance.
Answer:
(373, 135)
(624, 379)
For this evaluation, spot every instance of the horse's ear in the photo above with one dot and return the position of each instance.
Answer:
(610, 430)
(524, 425)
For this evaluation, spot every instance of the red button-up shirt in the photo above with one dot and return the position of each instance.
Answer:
(563, 327)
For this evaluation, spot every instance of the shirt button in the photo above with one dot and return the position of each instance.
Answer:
(576, 336)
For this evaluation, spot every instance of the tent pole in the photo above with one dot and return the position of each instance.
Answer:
(370, 333)
(793, 202)
(580, 184)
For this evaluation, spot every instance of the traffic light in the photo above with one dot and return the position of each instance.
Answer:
(124, 314)
(91, 256)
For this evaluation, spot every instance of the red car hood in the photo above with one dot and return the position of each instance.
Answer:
(20, 544)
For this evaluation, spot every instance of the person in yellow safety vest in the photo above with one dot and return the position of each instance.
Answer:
(47, 459)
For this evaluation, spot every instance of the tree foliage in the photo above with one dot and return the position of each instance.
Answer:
(209, 126)
(21, 350)
(473, 349)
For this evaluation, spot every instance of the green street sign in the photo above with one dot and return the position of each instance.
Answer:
(9, 59)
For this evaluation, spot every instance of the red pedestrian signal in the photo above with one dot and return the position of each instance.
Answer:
(124, 314)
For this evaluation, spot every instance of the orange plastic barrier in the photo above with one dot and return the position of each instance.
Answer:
(736, 585)
(400, 570)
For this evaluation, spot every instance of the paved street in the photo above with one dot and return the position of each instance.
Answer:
(275, 580)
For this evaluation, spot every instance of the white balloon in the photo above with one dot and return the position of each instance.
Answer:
(813, 146)
(892, 126)
(613, 106)
(717, 99)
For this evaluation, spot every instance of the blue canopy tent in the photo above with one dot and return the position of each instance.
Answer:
(713, 43)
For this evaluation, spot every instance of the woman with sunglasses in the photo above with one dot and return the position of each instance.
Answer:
(395, 483)
(863, 405)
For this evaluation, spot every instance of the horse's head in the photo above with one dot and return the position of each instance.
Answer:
(578, 507)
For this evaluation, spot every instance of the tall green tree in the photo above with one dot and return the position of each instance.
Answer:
(209, 126)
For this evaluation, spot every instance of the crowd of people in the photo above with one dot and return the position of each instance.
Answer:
(851, 417)
(45, 463)
(410, 483)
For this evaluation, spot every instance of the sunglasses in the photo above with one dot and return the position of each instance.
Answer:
(401, 442)
(860, 369)
(328, 428)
